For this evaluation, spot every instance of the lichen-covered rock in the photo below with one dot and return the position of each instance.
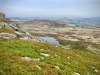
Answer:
(25, 38)
(5, 25)
(57, 67)
(26, 58)
(47, 55)
(2, 15)
(38, 66)
(7, 35)
(75, 73)
(22, 34)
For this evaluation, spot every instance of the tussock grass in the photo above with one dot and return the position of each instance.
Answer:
(68, 61)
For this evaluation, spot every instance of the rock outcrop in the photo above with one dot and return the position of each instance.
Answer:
(18, 31)
(7, 35)
(2, 15)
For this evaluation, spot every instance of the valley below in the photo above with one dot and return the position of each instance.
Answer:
(64, 31)
(48, 47)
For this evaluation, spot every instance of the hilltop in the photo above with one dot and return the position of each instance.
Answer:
(27, 55)
(48, 23)
(45, 27)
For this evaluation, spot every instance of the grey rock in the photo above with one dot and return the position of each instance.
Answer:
(24, 38)
(20, 34)
(26, 58)
(57, 67)
(75, 73)
(5, 25)
(13, 27)
(7, 35)
(2, 15)
(38, 67)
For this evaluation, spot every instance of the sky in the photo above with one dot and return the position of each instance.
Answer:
(50, 8)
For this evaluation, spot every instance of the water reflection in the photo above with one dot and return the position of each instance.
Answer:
(51, 40)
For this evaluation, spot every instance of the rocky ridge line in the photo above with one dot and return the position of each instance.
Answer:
(19, 32)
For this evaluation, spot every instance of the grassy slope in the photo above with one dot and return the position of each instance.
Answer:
(4, 20)
(6, 31)
(80, 45)
(69, 61)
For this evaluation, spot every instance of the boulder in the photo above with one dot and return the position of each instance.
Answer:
(25, 38)
(21, 35)
(7, 35)
(45, 54)
(26, 58)
(2, 15)
(75, 73)
(5, 25)
(11, 26)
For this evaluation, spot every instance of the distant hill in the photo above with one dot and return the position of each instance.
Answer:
(49, 23)
(82, 22)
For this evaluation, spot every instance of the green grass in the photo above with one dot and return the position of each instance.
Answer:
(74, 44)
(4, 20)
(68, 61)
(12, 64)
(6, 30)
(81, 45)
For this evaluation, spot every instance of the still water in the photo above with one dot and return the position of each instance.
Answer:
(51, 40)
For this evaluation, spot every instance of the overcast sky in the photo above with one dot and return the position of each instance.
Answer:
(50, 8)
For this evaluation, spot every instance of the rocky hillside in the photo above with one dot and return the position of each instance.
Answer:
(23, 54)
(62, 30)
(9, 30)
